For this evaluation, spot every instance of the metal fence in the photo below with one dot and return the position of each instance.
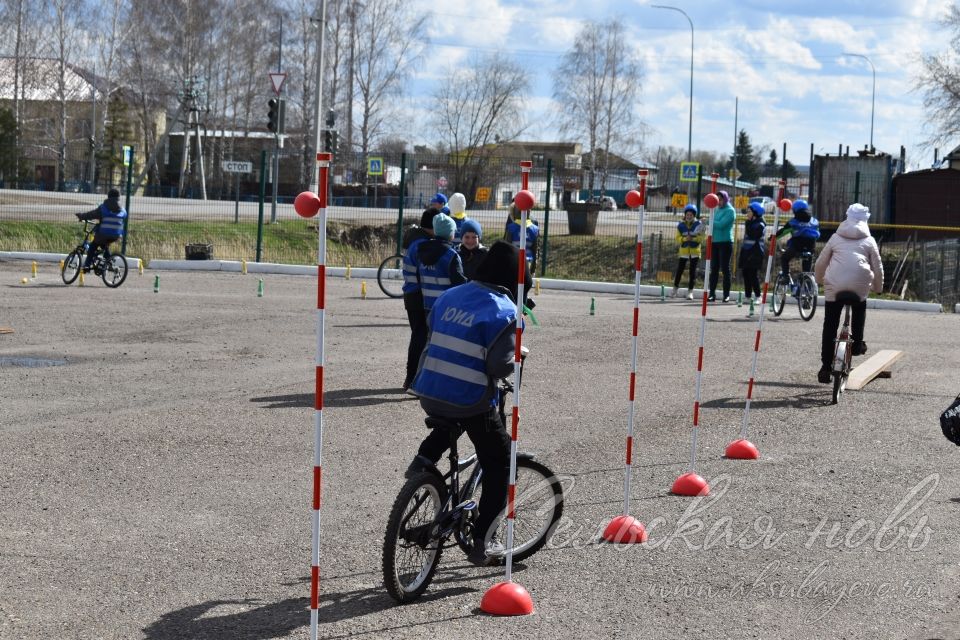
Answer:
(365, 220)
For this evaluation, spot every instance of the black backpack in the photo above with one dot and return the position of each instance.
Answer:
(950, 422)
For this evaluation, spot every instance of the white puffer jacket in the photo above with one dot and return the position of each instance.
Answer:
(850, 262)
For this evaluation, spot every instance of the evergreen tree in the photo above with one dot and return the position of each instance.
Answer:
(788, 170)
(746, 165)
(770, 167)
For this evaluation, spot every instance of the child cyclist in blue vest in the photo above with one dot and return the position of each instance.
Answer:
(109, 228)
(803, 230)
(752, 250)
(471, 346)
(512, 235)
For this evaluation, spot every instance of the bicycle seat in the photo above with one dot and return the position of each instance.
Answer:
(848, 297)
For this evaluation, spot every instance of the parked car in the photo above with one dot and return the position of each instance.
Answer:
(607, 203)
(768, 204)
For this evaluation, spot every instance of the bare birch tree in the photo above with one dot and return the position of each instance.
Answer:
(597, 87)
(478, 106)
(940, 83)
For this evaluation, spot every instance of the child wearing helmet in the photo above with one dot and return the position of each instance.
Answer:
(752, 250)
(803, 230)
(457, 206)
(689, 231)
(512, 234)
(471, 251)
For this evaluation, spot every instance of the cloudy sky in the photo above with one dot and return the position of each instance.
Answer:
(783, 59)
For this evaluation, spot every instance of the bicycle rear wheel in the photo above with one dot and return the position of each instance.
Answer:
(390, 276)
(807, 297)
(114, 271)
(538, 506)
(781, 289)
(410, 553)
(71, 266)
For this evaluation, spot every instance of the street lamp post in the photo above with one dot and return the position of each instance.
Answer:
(321, 28)
(873, 98)
(690, 126)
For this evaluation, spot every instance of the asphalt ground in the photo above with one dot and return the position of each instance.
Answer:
(155, 480)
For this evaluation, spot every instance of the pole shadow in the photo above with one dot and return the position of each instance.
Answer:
(341, 398)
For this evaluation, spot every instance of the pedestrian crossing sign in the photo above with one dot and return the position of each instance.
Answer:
(689, 171)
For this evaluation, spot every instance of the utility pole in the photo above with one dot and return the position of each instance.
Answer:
(277, 140)
(321, 29)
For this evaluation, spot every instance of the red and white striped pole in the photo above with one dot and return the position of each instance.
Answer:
(308, 205)
(743, 449)
(690, 483)
(625, 529)
(508, 598)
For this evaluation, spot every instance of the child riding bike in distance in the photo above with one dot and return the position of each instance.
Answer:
(109, 227)
(804, 230)
(850, 262)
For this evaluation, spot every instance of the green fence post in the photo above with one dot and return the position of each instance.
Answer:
(403, 175)
(546, 219)
(126, 221)
(856, 187)
(263, 190)
(699, 186)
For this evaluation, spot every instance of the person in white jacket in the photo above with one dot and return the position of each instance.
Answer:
(850, 262)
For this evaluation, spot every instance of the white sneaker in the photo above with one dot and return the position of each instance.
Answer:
(674, 294)
(689, 294)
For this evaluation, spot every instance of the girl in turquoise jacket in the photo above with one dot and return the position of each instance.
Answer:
(722, 231)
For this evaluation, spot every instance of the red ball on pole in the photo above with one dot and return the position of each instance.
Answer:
(785, 204)
(634, 199)
(524, 200)
(307, 204)
(711, 201)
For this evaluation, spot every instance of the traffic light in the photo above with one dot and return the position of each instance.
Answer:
(335, 142)
(275, 115)
(328, 140)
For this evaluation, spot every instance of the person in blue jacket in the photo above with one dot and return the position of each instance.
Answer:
(512, 235)
(722, 245)
(804, 230)
(471, 346)
(109, 228)
(752, 250)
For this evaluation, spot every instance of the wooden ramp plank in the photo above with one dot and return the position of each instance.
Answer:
(874, 366)
(6, 329)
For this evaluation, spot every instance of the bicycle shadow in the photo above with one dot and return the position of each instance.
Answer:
(341, 398)
(802, 401)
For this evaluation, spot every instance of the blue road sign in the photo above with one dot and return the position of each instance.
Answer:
(688, 171)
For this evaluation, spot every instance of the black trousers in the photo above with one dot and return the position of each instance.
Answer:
(98, 242)
(831, 323)
(492, 444)
(681, 264)
(720, 261)
(417, 317)
(751, 281)
(797, 246)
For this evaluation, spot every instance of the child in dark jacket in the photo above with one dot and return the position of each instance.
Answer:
(471, 251)
(752, 251)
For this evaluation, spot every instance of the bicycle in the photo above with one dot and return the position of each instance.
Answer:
(111, 267)
(804, 289)
(843, 349)
(433, 507)
(390, 276)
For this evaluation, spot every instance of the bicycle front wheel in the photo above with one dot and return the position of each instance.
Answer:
(71, 266)
(411, 553)
(839, 385)
(114, 271)
(780, 292)
(807, 297)
(538, 506)
(390, 276)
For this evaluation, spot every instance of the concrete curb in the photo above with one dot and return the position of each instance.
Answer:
(369, 272)
(132, 263)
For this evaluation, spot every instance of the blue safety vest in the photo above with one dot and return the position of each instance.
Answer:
(513, 230)
(464, 323)
(800, 229)
(111, 225)
(749, 243)
(458, 234)
(435, 278)
(410, 282)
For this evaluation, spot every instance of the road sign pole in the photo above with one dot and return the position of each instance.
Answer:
(263, 189)
(236, 203)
